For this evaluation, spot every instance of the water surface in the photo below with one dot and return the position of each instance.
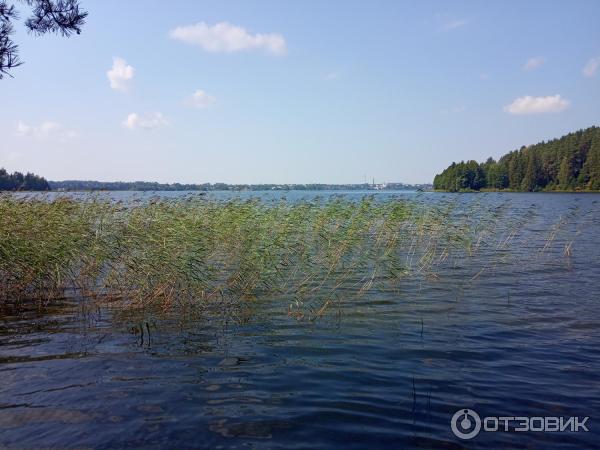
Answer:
(387, 370)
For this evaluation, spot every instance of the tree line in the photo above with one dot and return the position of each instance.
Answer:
(569, 163)
(89, 185)
(16, 181)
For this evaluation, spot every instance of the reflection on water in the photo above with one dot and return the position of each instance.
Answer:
(388, 369)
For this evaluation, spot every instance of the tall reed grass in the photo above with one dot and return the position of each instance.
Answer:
(169, 253)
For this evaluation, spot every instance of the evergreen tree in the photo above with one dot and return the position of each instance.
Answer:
(530, 179)
(565, 173)
(570, 162)
(64, 17)
(515, 170)
(591, 167)
(19, 182)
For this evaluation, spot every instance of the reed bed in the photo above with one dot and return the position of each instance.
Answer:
(192, 251)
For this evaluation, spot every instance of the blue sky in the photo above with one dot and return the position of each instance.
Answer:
(297, 92)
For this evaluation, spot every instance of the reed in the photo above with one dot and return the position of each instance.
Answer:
(193, 251)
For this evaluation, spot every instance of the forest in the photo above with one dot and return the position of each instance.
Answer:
(19, 182)
(569, 163)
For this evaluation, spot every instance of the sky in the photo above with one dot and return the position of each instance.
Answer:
(297, 91)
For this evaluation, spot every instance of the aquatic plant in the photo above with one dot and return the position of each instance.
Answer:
(193, 251)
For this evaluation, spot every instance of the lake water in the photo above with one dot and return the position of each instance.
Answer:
(387, 371)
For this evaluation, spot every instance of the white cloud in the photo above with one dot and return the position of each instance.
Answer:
(537, 105)
(534, 63)
(147, 122)
(454, 24)
(591, 67)
(332, 76)
(200, 99)
(46, 130)
(24, 129)
(228, 38)
(120, 75)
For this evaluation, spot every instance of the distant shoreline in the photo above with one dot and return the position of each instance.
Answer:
(371, 191)
(214, 190)
(513, 191)
(87, 186)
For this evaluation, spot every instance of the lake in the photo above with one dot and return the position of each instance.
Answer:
(519, 337)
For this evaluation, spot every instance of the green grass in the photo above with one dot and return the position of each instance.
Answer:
(168, 253)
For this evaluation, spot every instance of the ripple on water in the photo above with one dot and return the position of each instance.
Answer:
(387, 370)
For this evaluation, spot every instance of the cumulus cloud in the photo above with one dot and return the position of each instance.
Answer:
(454, 24)
(46, 130)
(120, 75)
(228, 38)
(200, 99)
(534, 63)
(591, 67)
(135, 121)
(537, 105)
(23, 129)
